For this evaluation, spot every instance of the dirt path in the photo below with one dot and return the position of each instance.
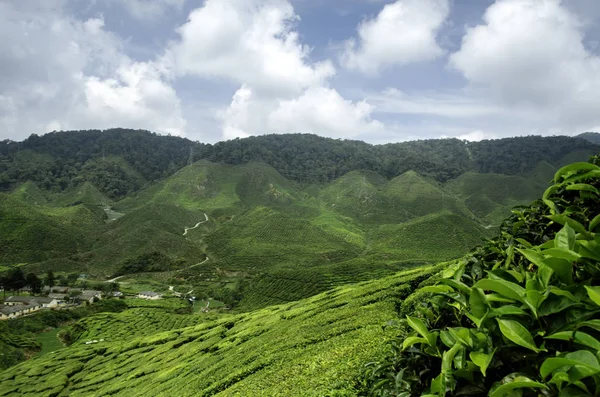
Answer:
(197, 224)
(112, 280)
(201, 263)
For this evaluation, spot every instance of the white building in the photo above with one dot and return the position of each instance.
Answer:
(149, 295)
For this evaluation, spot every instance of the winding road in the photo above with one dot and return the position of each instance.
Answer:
(197, 224)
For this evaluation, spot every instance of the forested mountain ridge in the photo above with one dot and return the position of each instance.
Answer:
(120, 161)
(593, 137)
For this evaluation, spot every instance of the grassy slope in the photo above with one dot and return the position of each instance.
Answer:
(491, 196)
(30, 193)
(86, 193)
(313, 347)
(29, 235)
(439, 236)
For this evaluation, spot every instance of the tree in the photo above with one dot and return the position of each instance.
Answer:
(72, 279)
(34, 283)
(15, 280)
(50, 280)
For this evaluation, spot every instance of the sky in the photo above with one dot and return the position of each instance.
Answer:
(373, 70)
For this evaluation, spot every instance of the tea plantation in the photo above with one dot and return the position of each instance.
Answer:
(311, 347)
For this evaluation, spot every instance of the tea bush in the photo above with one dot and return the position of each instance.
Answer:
(519, 316)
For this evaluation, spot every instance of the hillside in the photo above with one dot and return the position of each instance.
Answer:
(29, 235)
(120, 161)
(312, 347)
(263, 228)
(593, 137)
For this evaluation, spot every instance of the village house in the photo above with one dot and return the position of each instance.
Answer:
(32, 301)
(14, 311)
(89, 295)
(149, 295)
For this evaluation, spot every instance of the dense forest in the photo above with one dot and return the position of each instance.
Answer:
(120, 161)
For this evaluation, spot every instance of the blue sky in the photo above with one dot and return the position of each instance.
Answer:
(375, 70)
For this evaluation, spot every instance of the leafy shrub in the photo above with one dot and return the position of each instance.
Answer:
(519, 316)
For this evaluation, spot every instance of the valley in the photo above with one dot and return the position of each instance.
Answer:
(294, 276)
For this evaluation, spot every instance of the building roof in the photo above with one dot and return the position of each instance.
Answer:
(57, 296)
(41, 299)
(149, 293)
(90, 293)
(14, 309)
(20, 299)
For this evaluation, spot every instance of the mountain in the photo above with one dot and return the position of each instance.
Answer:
(279, 218)
(317, 280)
(593, 137)
(119, 162)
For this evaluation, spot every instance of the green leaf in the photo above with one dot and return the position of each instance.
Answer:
(583, 187)
(448, 357)
(567, 170)
(478, 303)
(510, 254)
(517, 334)
(436, 289)
(412, 340)
(562, 253)
(562, 267)
(589, 249)
(581, 358)
(462, 335)
(565, 220)
(462, 287)
(595, 324)
(555, 304)
(507, 310)
(447, 338)
(533, 256)
(594, 294)
(418, 325)
(482, 360)
(524, 242)
(565, 238)
(518, 382)
(510, 290)
(561, 292)
(594, 223)
(498, 298)
(578, 337)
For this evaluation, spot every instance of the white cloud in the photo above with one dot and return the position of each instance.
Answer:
(318, 110)
(403, 32)
(134, 97)
(253, 43)
(323, 111)
(59, 73)
(530, 55)
(249, 42)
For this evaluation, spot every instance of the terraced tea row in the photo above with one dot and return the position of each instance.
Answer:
(312, 347)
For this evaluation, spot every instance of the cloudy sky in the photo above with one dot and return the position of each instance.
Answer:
(375, 70)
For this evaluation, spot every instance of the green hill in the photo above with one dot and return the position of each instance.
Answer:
(434, 237)
(491, 196)
(84, 194)
(29, 235)
(218, 188)
(413, 194)
(148, 229)
(313, 347)
(360, 196)
(593, 137)
(30, 193)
